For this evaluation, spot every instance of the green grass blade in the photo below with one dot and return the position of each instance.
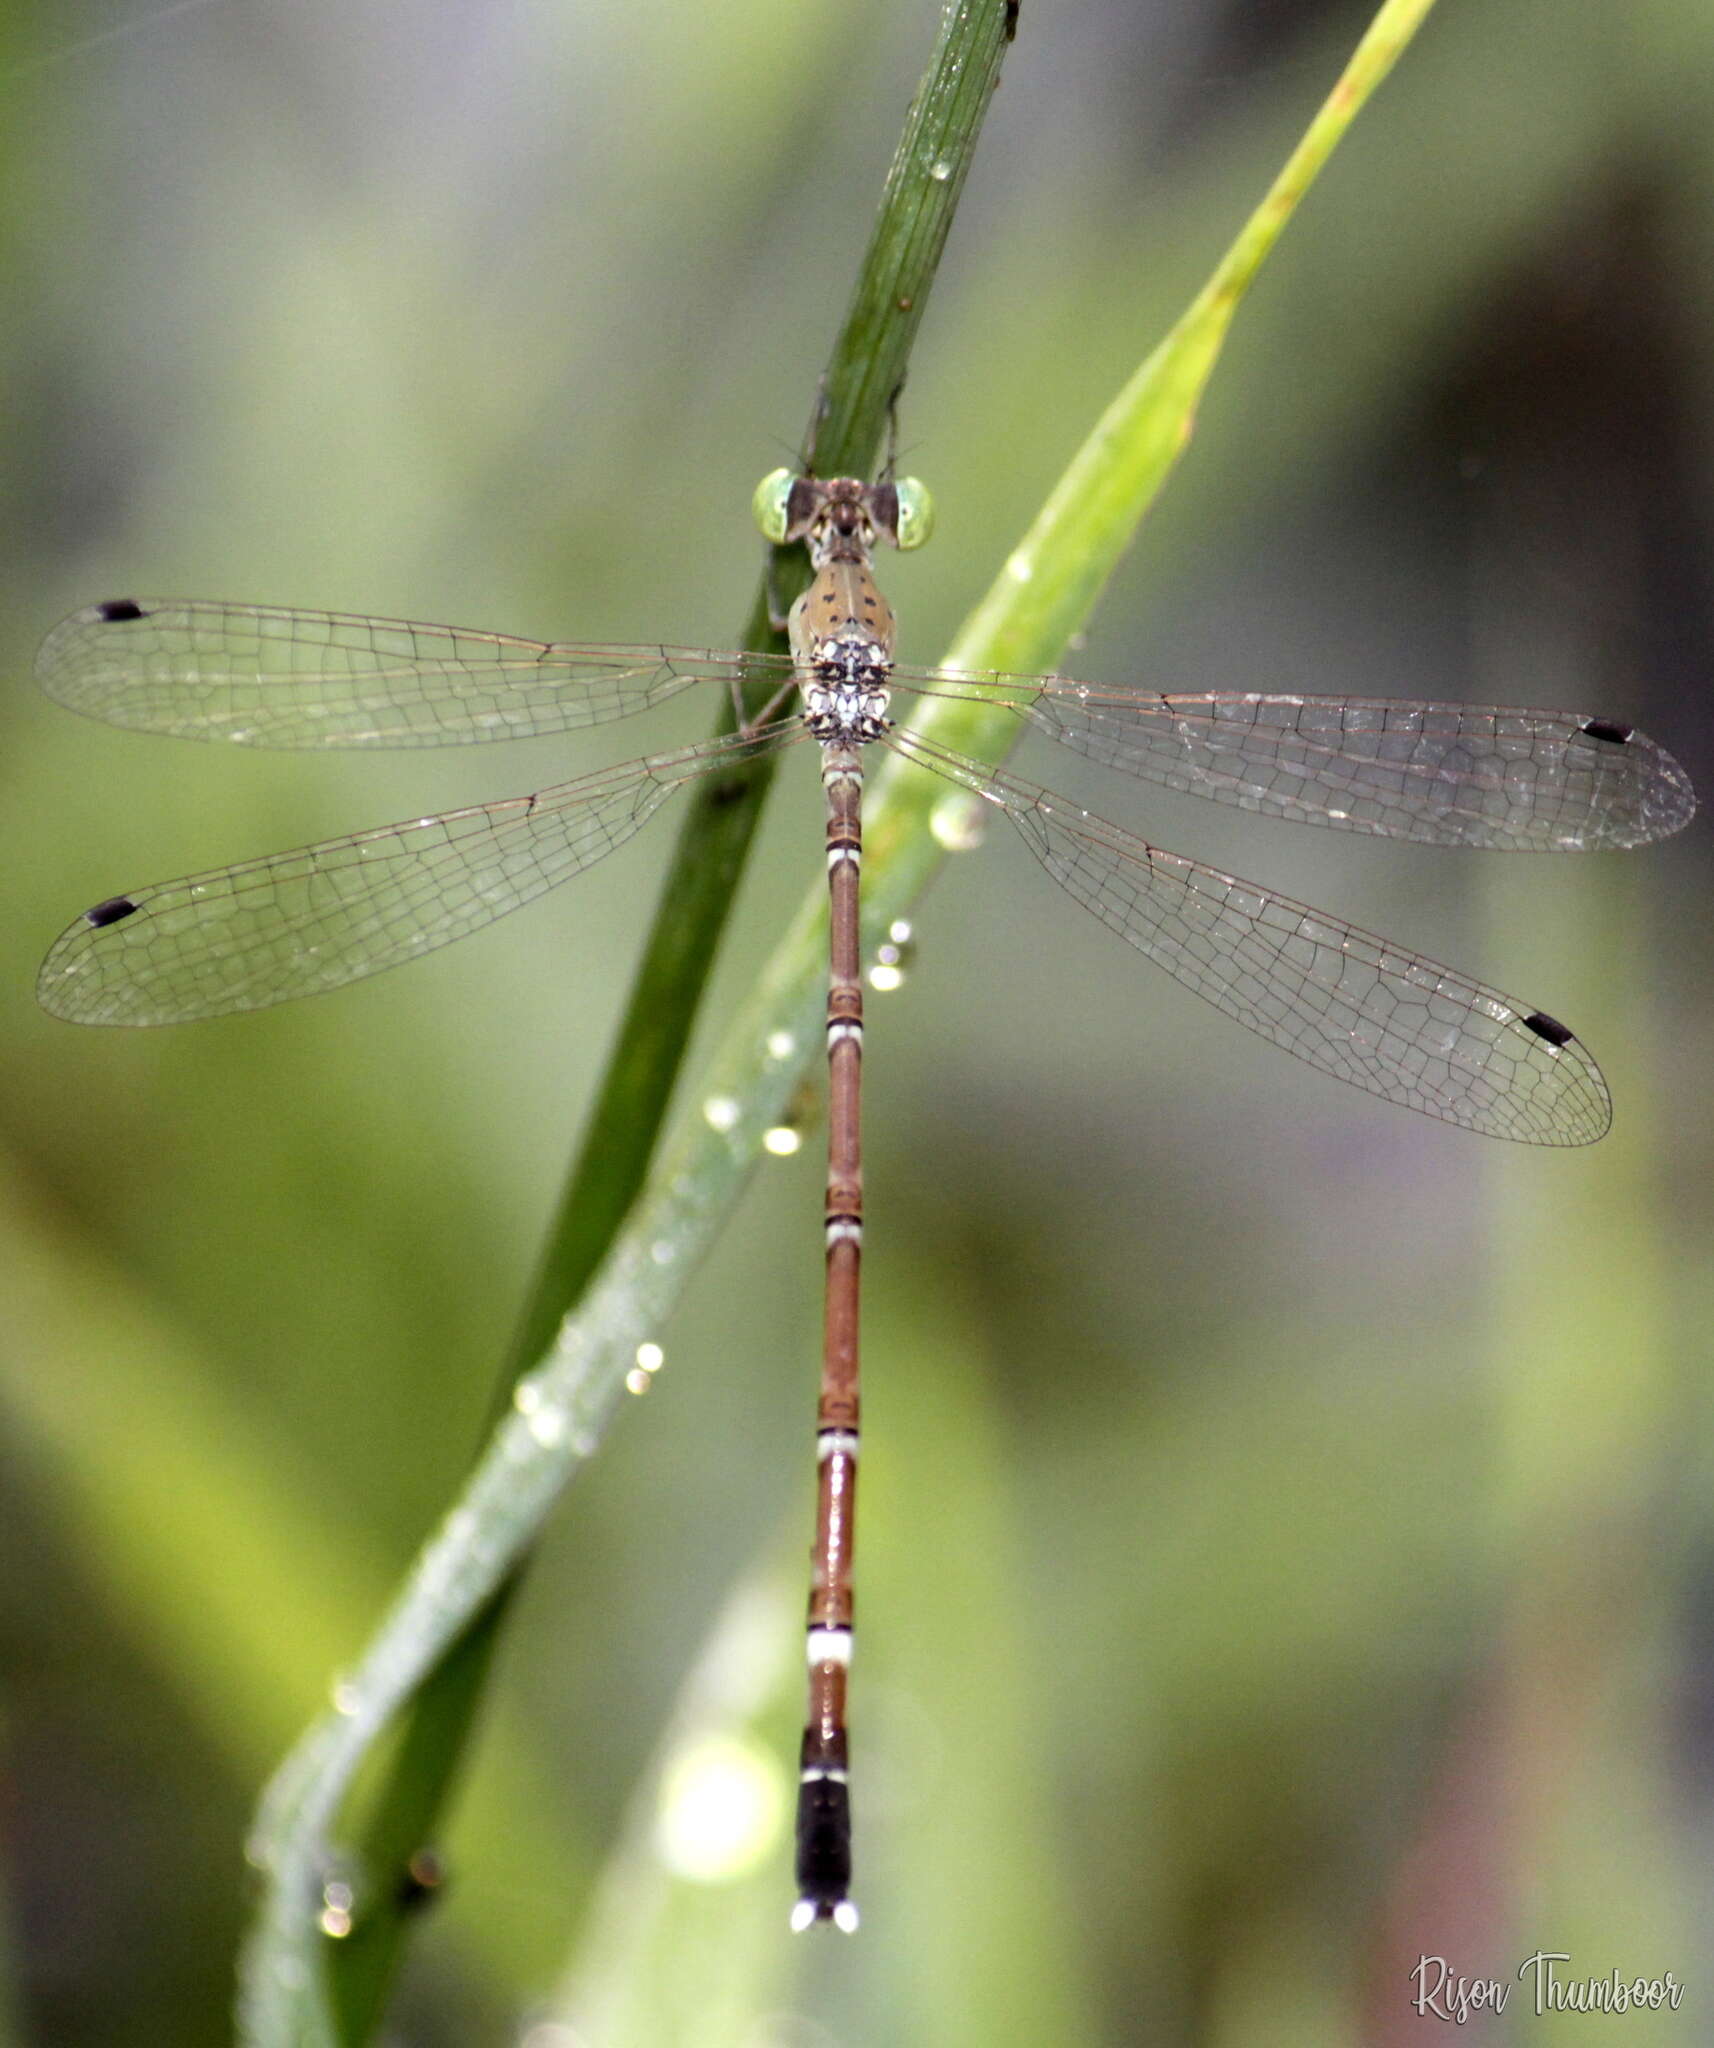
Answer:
(1044, 593)
(283, 1995)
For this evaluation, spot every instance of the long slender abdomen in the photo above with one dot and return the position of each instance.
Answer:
(824, 1798)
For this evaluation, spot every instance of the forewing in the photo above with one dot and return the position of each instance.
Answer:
(1444, 774)
(1356, 1006)
(264, 676)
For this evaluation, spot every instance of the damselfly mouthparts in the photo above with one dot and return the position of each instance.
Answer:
(1356, 1006)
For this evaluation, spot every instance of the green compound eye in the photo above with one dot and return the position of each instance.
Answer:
(916, 513)
(773, 497)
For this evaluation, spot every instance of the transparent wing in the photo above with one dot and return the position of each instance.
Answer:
(1353, 1005)
(268, 677)
(1445, 774)
(292, 924)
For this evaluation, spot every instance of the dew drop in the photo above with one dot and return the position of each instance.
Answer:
(337, 1903)
(893, 957)
(547, 1426)
(782, 1141)
(721, 1113)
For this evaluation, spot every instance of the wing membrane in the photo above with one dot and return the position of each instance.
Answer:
(1355, 1006)
(1444, 774)
(265, 676)
(292, 924)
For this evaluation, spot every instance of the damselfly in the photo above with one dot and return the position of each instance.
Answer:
(1356, 1006)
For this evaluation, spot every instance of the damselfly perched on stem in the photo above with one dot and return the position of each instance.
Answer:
(1358, 1007)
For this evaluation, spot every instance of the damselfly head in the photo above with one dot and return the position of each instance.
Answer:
(788, 507)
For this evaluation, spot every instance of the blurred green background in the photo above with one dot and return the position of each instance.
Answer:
(1286, 1548)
